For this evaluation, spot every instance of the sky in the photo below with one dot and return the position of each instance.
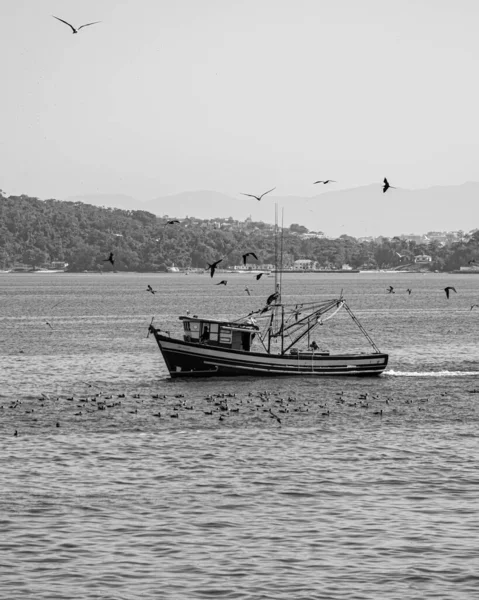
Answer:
(236, 96)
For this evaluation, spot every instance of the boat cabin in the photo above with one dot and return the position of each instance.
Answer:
(237, 336)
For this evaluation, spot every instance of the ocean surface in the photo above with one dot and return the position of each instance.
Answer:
(366, 489)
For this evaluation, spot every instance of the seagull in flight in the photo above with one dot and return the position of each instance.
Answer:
(390, 290)
(448, 290)
(386, 186)
(150, 289)
(325, 181)
(400, 255)
(73, 28)
(212, 268)
(110, 259)
(245, 256)
(222, 282)
(258, 197)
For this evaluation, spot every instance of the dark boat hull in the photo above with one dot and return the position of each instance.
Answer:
(186, 359)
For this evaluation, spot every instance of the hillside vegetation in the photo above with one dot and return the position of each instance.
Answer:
(36, 232)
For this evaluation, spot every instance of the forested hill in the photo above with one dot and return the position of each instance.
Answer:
(36, 232)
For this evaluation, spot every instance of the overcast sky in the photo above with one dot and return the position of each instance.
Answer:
(236, 95)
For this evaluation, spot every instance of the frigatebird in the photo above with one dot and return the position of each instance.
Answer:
(212, 267)
(448, 290)
(258, 197)
(150, 289)
(325, 181)
(245, 256)
(386, 186)
(110, 259)
(73, 28)
(272, 298)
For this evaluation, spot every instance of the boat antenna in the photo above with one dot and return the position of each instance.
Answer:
(276, 247)
(281, 254)
(149, 327)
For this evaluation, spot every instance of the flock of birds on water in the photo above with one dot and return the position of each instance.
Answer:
(228, 409)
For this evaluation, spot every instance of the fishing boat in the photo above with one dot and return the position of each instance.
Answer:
(274, 340)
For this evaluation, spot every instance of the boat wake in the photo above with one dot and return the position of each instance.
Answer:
(393, 373)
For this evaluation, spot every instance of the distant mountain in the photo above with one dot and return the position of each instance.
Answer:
(360, 211)
(109, 200)
(203, 204)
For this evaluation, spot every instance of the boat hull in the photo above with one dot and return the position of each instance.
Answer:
(186, 359)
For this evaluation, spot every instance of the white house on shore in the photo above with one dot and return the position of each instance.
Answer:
(304, 264)
(423, 259)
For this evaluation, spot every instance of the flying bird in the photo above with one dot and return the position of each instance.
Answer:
(245, 256)
(386, 186)
(272, 298)
(47, 323)
(400, 255)
(73, 28)
(258, 197)
(150, 289)
(448, 289)
(247, 290)
(390, 290)
(474, 305)
(222, 282)
(110, 259)
(212, 267)
(409, 291)
(172, 222)
(325, 181)
(259, 276)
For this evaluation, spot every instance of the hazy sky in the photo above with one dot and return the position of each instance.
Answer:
(236, 95)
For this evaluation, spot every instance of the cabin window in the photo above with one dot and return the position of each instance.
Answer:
(214, 332)
(225, 336)
(186, 325)
(195, 330)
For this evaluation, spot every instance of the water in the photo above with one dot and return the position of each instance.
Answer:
(339, 500)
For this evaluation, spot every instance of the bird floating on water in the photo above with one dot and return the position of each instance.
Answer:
(258, 197)
(448, 289)
(75, 30)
